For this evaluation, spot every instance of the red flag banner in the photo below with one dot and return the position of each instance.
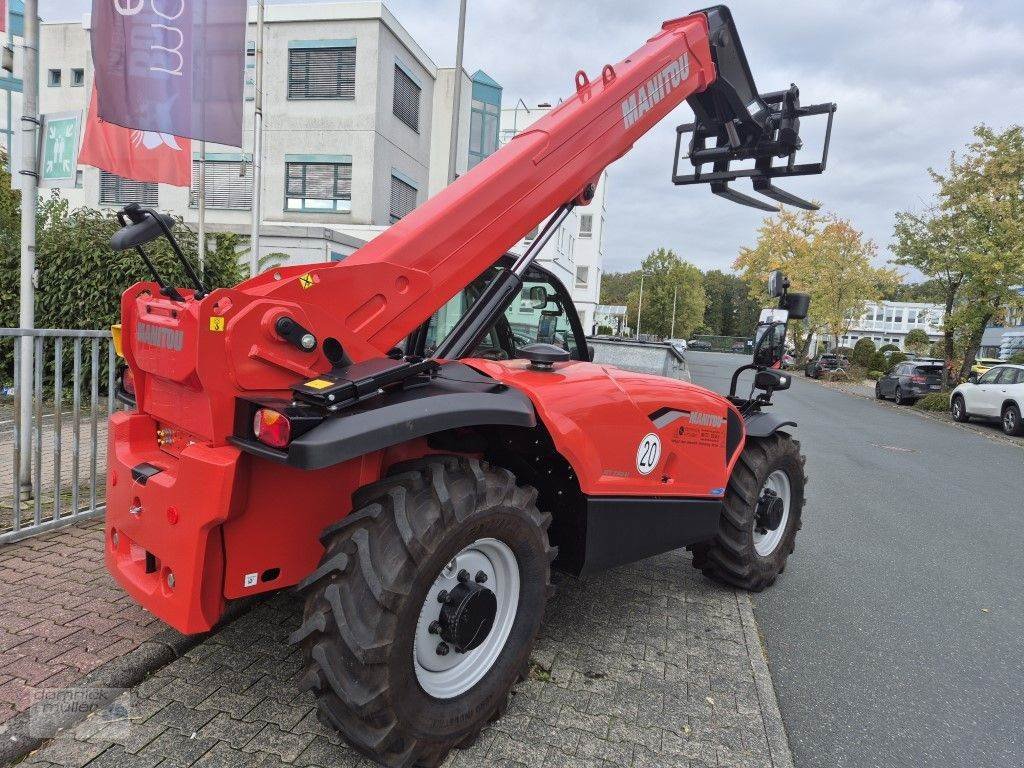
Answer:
(136, 155)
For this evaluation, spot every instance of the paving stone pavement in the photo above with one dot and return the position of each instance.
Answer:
(61, 614)
(648, 665)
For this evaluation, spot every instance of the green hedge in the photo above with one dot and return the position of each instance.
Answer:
(936, 401)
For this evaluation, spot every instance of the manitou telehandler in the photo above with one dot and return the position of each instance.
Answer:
(415, 436)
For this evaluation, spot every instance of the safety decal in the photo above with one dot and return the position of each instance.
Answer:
(217, 324)
(318, 384)
(648, 453)
(250, 580)
(306, 280)
(700, 429)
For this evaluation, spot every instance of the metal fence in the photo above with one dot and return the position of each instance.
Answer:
(53, 456)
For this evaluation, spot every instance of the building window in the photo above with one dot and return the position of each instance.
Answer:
(115, 190)
(582, 274)
(77, 77)
(403, 198)
(407, 99)
(586, 225)
(53, 78)
(483, 131)
(228, 185)
(321, 71)
(320, 187)
(249, 89)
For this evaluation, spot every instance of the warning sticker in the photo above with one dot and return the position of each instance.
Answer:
(217, 324)
(306, 281)
(701, 429)
(319, 384)
(250, 580)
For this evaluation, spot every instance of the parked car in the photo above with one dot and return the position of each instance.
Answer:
(909, 381)
(828, 361)
(698, 344)
(679, 344)
(983, 364)
(997, 394)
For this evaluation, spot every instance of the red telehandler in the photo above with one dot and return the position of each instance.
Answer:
(416, 436)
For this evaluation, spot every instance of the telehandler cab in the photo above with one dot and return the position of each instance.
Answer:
(415, 436)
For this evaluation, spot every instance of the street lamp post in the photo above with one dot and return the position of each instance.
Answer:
(640, 306)
(675, 294)
(453, 149)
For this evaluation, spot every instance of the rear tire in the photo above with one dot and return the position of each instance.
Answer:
(741, 555)
(365, 636)
(958, 409)
(1012, 424)
(899, 399)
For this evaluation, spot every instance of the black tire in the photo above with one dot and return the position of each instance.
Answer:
(1012, 424)
(731, 557)
(363, 603)
(878, 391)
(958, 409)
(899, 399)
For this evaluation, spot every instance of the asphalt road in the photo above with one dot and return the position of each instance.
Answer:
(896, 635)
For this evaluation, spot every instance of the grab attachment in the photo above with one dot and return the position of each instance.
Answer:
(745, 125)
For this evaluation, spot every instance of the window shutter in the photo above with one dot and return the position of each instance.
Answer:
(322, 73)
(403, 198)
(407, 99)
(227, 186)
(116, 190)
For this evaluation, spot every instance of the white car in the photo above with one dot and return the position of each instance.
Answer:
(678, 344)
(997, 394)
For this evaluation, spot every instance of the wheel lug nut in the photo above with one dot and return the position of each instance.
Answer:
(442, 649)
(480, 577)
(442, 595)
(463, 576)
(434, 628)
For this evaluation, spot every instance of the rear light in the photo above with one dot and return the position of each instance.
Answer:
(128, 381)
(272, 428)
(918, 379)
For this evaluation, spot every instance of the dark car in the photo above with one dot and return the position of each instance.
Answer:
(698, 344)
(826, 362)
(909, 381)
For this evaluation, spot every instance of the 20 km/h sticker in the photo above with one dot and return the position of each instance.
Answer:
(648, 453)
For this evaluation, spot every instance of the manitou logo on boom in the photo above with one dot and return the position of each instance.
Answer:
(155, 336)
(649, 94)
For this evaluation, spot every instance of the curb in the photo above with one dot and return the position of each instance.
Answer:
(771, 716)
(126, 671)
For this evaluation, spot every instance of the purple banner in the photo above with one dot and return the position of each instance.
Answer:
(171, 66)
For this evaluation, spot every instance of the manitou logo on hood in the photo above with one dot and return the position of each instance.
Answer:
(156, 336)
(655, 90)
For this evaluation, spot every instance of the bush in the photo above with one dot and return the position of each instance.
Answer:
(844, 352)
(917, 341)
(875, 375)
(863, 351)
(895, 358)
(604, 330)
(879, 362)
(886, 348)
(1017, 359)
(835, 376)
(936, 401)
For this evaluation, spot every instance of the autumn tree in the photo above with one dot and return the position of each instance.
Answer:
(824, 256)
(667, 278)
(917, 341)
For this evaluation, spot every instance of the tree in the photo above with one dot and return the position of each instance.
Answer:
(616, 286)
(917, 341)
(730, 310)
(667, 277)
(825, 256)
(972, 239)
(863, 351)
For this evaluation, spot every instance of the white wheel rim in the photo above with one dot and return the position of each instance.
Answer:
(767, 542)
(448, 676)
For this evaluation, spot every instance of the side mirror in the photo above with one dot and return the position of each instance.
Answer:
(538, 297)
(777, 283)
(798, 305)
(972, 377)
(145, 230)
(772, 381)
(590, 353)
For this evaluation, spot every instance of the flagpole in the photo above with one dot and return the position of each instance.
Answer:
(29, 201)
(257, 145)
(202, 208)
(453, 149)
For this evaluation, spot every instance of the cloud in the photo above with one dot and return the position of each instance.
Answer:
(911, 80)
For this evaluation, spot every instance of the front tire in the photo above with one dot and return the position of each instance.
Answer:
(750, 552)
(403, 685)
(958, 409)
(1012, 424)
(878, 391)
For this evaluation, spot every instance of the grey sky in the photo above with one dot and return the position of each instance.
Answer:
(910, 78)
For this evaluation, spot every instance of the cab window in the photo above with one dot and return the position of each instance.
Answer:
(537, 315)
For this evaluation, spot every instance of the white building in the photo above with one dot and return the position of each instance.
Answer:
(357, 126)
(612, 316)
(576, 252)
(889, 322)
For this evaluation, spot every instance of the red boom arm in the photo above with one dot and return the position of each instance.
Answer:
(394, 283)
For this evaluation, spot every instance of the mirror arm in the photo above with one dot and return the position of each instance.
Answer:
(736, 376)
(201, 291)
